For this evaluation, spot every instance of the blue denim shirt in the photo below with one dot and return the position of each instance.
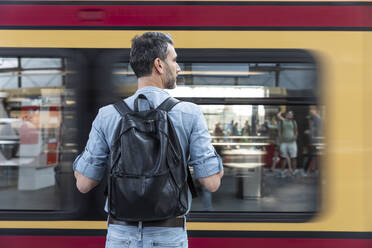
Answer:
(189, 123)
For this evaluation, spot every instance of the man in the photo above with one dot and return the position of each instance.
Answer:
(288, 133)
(153, 59)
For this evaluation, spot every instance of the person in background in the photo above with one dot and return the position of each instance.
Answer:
(288, 132)
(314, 132)
(218, 132)
(263, 129)
(272, 149)
(235, 131)
(246, 130)
(275, 160)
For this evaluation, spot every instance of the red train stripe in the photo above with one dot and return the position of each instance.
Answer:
(278, 243)
(51, 241)
(98, 242)
(186, 16)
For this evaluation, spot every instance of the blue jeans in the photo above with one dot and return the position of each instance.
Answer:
(145, 237)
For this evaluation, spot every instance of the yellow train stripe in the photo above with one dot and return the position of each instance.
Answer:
(192, 226)
(318, 40)
(54, 224)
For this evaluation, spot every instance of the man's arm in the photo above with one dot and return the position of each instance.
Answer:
(84, 184)
(89, 166)
(281, 119)
(279, 115)
(207, 164)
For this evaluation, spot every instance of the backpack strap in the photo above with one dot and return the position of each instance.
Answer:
(168, 104)
(142, 96)
(122, 108)
(190, 182)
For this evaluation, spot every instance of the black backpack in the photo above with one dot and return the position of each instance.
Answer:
(148, 179)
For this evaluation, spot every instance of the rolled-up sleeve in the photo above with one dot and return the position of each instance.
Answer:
(92, 161)
(203, 157)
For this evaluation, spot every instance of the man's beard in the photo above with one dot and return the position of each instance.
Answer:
(170, 82)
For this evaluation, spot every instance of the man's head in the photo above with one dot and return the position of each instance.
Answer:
(153, 52)
(289, 115)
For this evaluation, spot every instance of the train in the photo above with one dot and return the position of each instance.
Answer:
(242, 62)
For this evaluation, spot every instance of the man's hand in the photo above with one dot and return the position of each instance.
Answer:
(212, 183)
(83, 183)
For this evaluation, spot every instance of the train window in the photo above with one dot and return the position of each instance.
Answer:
(262, 112)
(254, 143)
(36, 112)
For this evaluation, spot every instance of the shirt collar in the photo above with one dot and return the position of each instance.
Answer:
(151, 89)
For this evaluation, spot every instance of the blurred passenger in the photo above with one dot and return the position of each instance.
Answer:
(272, 126)
(230, 127)
(288, 133)
(273, 148)
(263, 129)
(275, 160)
(235, 131)
(314, 132)
(246, 130)
(218, 130)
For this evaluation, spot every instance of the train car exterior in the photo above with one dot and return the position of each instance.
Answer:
(281, 55)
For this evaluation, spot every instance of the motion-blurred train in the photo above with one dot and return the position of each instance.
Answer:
(242, 62)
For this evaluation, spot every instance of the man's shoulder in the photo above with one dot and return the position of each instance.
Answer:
(187, 108)
(107, 111)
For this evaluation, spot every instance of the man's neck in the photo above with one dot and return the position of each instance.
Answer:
(149, 81)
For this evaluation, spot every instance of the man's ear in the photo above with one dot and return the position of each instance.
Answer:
(159, 66)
